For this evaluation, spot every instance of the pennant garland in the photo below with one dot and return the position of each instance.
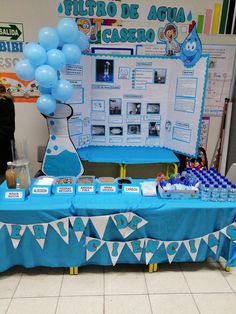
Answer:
(126, 224)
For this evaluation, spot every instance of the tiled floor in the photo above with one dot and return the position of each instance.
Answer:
(176, 288)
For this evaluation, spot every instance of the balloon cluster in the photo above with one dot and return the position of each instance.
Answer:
(56, 47)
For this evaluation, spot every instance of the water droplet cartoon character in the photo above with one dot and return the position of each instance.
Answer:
(191, 49)
(168, 35)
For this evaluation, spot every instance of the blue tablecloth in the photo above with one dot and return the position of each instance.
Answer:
(167, 220)
(127, 155)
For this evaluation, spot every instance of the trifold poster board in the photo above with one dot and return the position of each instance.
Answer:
(137, 101)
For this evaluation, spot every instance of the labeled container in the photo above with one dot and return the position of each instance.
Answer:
(42, 186)
(64, 185)
(107, 185)
(179, 194)
(86, 185)
(10, 176)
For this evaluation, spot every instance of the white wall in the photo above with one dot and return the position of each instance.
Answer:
(35, 14)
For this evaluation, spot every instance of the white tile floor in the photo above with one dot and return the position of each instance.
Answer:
(177, 288)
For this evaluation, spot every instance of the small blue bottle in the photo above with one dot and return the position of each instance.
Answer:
(215, 193)
(223, 193)
(206, 192)
(232, 193)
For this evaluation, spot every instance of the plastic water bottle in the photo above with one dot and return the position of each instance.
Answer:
(215, 193)
(223, 193)
(232, 193)
(205, 192)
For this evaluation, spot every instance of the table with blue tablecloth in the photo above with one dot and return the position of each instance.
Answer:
(166, 220)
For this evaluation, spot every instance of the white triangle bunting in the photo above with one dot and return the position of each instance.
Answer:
(136, 247)
(121, 222)
(151, 248)
(212, 240)
(78, 224)
(16, 232)
(230, 232)
(127, 223)
(1, 225)
(100, 224)
(39, 231)
(92, 246)
(115, 249)
(172, 248)
(192, 247)
(61, 227)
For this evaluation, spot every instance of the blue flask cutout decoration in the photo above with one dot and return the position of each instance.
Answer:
(61, 157)
(191, 49)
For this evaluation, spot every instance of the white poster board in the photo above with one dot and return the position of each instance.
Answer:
(137, 101)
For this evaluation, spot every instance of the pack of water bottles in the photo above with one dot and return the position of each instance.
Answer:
(212, 185)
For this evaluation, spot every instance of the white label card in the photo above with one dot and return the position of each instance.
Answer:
(65, 189)
(131, 189)
(86, 189)
(108, 188)
(13, 195)
(42, 190)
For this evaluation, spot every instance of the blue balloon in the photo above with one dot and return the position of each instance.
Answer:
(48, 38)
(56, 59)
(26, 48)
(72, 53)
(67, 30)
(63, 90)
(46, 104)
(24, 70)
(82, 41)
(44, 90)
(46, 76)
(36, 54)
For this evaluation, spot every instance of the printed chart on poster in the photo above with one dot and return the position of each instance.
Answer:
(137, 101)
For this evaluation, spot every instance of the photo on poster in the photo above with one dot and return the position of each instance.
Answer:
(116, 130)
(105, 70)
(153, 108)
(98, 130)
(134, 108)
(134, 129)
(154, 129)
(115, 106)
(98, 105)
(159, 76)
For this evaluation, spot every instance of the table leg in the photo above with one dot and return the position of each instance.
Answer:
(150, 268)
(124, 170)
(227, 268)
(73, 270)
(155, 267)
(121, 171)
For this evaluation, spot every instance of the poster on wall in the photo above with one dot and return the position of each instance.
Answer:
(137, 101)
(22, 91)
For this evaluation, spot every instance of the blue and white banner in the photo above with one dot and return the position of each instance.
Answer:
(192, 247)
(127, 223)
(16, 233)
(92, 246)
(172, 248)
(151, 248)
(115, 249)
(61, 227)
(100, 224)
(39, 231)
(78, 224)
(212, 240)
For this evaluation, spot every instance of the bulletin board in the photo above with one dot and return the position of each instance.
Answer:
(137, 101)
